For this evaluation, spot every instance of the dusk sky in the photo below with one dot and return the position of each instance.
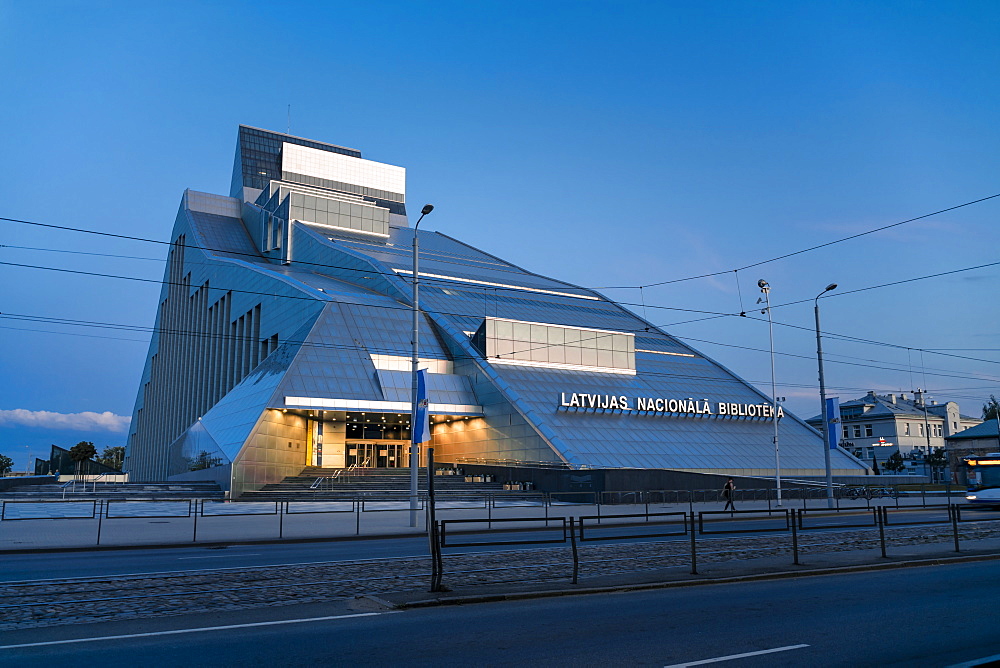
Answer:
(609, 144)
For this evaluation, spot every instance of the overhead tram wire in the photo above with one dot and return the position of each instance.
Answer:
(803, 250)
(950, 391)
(700, 378)
(378, 350)
(900, 282)
(647, 285)
(713, 314)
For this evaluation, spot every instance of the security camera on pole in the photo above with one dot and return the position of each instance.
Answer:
(766, 289)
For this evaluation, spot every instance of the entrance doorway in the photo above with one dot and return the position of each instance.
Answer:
(378, 455)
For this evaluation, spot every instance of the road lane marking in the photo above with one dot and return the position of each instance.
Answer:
(202, 629)
(735, 656)
(221, 556)
(975, 663)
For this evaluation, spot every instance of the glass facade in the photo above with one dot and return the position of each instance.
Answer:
(539, 344)
(270, 333)
(358, 216)
(260, 154)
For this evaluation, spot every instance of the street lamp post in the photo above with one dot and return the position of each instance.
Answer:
(822, 399)
(414, 445)
(766, 289)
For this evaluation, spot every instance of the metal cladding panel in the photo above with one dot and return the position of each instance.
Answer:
(335, 360)
(442, 388)
(607, 438)
(443, 256)
(231, 421)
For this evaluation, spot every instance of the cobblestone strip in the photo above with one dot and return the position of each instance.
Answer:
(93, 600)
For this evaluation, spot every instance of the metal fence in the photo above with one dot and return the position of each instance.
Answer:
(785, 525)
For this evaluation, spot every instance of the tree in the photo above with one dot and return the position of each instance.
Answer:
(6, 465)
(894, 462)
(204, 460)
(991, 408)
(81, 452)
(937, 461)
(113, 456)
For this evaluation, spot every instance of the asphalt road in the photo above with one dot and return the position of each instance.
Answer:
(97, 563)
(928, 616)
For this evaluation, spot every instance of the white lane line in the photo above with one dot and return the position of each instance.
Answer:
(199, 630)
(221, 556)
(985, 661)
(735, 656)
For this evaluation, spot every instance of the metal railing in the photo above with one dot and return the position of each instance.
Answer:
(605, 526)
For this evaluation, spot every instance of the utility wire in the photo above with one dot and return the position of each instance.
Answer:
(810, 248)
(647, 285)
(378, 350)
(713, 314)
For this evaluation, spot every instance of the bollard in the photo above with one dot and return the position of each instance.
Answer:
(795, 540)
(281, 517)
(438, 558)
(194, 533)
(100, 517)
(953, 511)
(694, 552)
(576, 556)
(358, 503)
(879, 510)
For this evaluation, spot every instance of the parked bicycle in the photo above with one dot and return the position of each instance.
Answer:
(869, 493)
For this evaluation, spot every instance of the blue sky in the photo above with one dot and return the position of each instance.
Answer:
(604, 143)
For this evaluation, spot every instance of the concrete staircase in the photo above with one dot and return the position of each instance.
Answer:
(130, 491)
(372, 484)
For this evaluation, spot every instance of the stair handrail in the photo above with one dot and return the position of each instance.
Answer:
(67, 484)
(93, 487)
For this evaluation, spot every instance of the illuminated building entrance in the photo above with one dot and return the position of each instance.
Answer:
(381, 455)
(341, 439)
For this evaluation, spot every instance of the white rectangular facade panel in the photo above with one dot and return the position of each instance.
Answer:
(377, 406)
(343, 168)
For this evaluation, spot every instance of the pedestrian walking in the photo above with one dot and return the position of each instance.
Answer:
(729, 492)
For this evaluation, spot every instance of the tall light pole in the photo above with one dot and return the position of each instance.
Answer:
(414, 445)
(766, 289)
(927, 427)
(822, 399)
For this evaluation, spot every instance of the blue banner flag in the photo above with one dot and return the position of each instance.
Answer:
(422, 426)
(833, 421)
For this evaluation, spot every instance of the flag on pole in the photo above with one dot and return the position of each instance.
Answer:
(833, 422)
(422, 422)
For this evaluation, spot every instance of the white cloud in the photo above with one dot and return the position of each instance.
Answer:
(85, 421)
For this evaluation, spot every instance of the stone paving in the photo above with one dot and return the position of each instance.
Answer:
(90, 600)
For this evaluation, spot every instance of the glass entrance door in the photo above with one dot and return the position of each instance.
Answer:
(378, 455)
(361, 455)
